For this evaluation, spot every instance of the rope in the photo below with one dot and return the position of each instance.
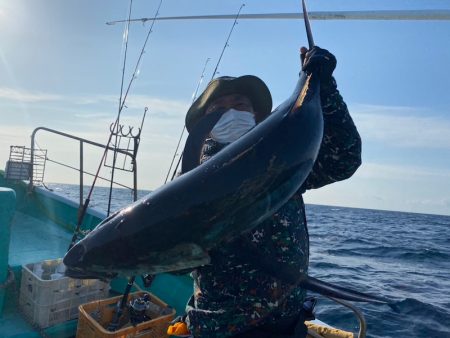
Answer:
(86, 172)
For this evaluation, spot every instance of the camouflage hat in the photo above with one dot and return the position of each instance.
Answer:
(251, 86)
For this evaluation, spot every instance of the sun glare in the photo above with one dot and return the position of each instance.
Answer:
(3, 14)
(9, 11)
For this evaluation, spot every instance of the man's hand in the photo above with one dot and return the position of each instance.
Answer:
(318, 59)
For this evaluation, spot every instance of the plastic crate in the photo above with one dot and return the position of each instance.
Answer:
(46, 302)
(95, 317)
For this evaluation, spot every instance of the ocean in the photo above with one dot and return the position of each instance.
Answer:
(404, 257)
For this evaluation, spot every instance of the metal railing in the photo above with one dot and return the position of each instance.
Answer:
(82, 141)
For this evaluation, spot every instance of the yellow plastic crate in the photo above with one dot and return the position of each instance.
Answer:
(95, 317)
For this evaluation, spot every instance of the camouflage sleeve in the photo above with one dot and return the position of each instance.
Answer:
(340, 152)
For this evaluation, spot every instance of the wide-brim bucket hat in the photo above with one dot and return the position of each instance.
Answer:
(249, 85)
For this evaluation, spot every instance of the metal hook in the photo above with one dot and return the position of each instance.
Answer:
(137, 135)
(123, 130)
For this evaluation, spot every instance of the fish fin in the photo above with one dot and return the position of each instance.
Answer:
(292, 276)
(182, 258)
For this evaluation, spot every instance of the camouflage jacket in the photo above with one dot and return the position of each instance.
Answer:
(234, 293)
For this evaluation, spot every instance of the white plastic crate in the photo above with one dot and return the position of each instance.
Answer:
(46, 302)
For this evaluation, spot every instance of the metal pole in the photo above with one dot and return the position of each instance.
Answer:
(30, 185)
(81, 175)
(136, 144)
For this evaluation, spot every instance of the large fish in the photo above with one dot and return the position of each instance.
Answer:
(176, 225)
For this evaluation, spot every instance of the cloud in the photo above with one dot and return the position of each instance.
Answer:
(160, 110)
(402, 126)
(389, 187)
(92, 115)
(27, 96)
(400, 172)
(157, 107)
(163, 108)
(425, 203)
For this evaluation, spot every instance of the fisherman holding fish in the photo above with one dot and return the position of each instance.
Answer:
(242, 292)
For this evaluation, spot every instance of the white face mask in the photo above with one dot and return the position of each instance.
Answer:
(232, 125)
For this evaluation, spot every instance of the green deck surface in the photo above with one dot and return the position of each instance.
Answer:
(34, 240)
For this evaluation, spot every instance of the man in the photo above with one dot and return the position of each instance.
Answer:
(236, 295)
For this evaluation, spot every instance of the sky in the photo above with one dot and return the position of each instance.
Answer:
(61, 67)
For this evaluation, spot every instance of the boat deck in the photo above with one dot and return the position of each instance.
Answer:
(34, 240)
(13, 324)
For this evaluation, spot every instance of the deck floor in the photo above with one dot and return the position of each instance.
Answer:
(34, 240)
(12, 325)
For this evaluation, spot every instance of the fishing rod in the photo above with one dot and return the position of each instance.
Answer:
(83, 210)
(127, 30)
(133, 77)
(401, 15)
(307, 25)
(114, 324)
(194, 96)
(226, 42)
(236, 17)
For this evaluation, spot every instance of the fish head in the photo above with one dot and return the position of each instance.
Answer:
(123, 245)
(95, 254)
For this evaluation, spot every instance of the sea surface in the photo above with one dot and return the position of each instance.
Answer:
(404, 257)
